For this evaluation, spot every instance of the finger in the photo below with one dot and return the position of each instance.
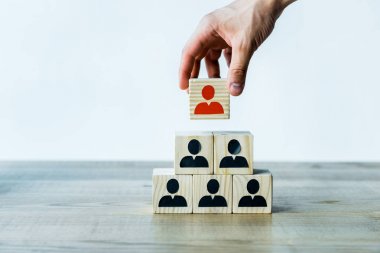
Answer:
(185, 70)
(212, 63)
(196, 68)
(238, 69)
(192, 52)
(227, 55)
(197, 63)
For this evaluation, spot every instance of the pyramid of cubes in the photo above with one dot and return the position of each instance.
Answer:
(213, 172)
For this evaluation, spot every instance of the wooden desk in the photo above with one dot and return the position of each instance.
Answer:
(106, 207)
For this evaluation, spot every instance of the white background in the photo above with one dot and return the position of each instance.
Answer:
(98, 80)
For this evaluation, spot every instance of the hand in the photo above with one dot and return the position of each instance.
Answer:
(238, 30)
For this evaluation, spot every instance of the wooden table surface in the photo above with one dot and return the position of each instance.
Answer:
(106, 207)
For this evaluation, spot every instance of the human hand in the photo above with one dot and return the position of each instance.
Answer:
(238, 30)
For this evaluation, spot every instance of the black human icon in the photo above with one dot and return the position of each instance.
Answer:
(194, 148)
(229, 162)
(253, 187)
(208, 200)
(172, 201)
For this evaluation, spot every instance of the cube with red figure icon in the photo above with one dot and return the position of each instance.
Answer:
(209, 99)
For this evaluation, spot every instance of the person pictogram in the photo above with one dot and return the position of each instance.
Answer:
(172, 200)
(212, 200)
(253, 187)
(234, 162)
(194, 161)
(208, 93)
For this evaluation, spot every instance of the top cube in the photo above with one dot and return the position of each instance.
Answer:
(209, 99)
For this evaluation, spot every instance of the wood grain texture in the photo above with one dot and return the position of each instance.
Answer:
(182, 140)
(200, 190)
(221, 141)
(107, 207)
(239, 190)
(160, 178)
(221, 96)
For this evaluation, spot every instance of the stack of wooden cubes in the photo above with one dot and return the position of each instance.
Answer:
(213, 171)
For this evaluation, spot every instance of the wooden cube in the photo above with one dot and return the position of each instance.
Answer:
(233, 153)
(194, 152)
(212, 194)
(253, 193)
(209, 99)
(172, 193)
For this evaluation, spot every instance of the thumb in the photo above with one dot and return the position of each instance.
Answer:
(238, 70)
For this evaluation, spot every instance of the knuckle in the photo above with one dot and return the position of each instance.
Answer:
(243, 44)
(185, 50)
(238, 72)
(208, 20)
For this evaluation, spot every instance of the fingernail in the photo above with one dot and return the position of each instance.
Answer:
(236, 87)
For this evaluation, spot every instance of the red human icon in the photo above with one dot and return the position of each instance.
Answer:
(208, 93)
